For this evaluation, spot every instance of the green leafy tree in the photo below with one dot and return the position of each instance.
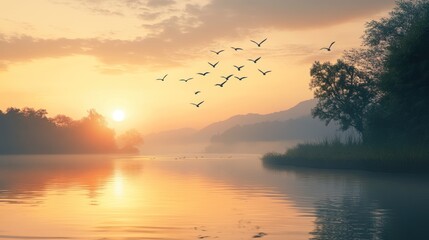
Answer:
(403, 114)
(344, 93)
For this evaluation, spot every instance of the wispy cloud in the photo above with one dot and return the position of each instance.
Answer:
(160, 3)
(194, 26)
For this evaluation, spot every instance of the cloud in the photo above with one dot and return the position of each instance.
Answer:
(290, 14)
(106, 12)
(160, 3)
(112, 52)
(196, 26)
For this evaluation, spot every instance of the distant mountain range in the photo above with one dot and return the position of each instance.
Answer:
(300, 110)
(292, 125)
(303, 128)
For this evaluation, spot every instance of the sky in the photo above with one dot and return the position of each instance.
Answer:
(69, 56)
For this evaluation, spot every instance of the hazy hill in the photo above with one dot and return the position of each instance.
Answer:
(187, 135)
(300, 110)
(304, 128)
(188, 139)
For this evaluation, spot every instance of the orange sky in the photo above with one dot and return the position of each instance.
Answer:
(68, 56)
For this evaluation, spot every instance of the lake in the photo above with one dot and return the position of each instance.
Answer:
(203, 197)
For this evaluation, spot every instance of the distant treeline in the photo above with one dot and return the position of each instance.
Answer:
(30, 131)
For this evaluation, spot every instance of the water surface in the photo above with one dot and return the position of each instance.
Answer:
(202, 197)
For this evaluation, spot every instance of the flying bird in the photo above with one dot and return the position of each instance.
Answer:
(197, 92)
(217, 52)
(213, 64)
(221, 84)
(264, 73)
(239, 67)
(185, 80)
(162, 79)
(254, 60)
(240, 78)
(259, 43)
(328, 48)
(227, 77)
(237, 49)
(204, 73)
(197, 105)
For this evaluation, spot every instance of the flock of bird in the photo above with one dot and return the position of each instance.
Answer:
(238, 67)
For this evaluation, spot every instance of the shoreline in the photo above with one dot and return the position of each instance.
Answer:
(352, 157)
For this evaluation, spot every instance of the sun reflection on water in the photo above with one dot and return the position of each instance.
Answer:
(165, 201)
(118, 183)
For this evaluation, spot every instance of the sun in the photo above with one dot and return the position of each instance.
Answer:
(118, 115)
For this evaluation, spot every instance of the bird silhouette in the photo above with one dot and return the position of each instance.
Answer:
(240, 78)
(163, 78)
(237, 49)
(197, 92)
(204, 73)
(213, 64)
(254, 60)
(185, 80)
(227, 77)
(259, 43)
(217, 52)
(328, 48)
(264, 73)
(239, 67)
(197, 104)
(221, 84)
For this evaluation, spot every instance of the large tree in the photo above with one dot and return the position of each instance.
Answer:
(344, 93)
(389, 95)
(404, 108)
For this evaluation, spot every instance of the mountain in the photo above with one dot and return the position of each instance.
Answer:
(303, 128)
(293, 125)
(300, 110)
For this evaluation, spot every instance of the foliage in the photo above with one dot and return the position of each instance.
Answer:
(390, 98)
(391, 103)
(129, 141)
(335, 154)
(403, 113)
(344, 94)
(30, 131)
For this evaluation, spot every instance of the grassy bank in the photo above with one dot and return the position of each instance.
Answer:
(352, 155)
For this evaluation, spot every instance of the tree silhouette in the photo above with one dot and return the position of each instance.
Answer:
(344, 94)
(403, 114)
(381, 90)
(30, 131)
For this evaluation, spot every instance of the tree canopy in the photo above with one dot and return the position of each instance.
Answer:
(344, 94)
(31, 131)
(387, 96)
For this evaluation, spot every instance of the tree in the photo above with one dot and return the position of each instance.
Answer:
(405, 83)
(344, 93)
(388, 98)
(30, 131)
(62, 121)
(129, 141)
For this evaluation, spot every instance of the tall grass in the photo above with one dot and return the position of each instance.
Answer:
(353, 154)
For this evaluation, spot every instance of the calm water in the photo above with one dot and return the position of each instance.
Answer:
(203, 197)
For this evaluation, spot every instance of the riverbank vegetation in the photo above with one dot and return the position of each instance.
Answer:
(381, 91)
(336, 154)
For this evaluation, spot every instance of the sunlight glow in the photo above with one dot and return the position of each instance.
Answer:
(118, 115)
(118, 184)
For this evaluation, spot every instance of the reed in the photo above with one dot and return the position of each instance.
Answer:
(353, 154)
